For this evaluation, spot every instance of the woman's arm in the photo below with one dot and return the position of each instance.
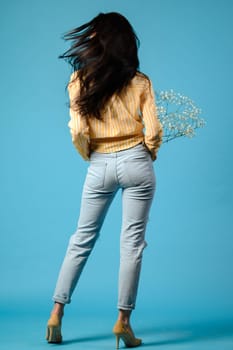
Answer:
(153, 128)
(78, 125)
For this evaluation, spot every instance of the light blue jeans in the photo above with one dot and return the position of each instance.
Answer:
(132, 171)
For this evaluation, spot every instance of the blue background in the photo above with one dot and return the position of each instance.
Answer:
(185, 297)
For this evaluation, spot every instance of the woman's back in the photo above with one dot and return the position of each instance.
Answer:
(123, 119)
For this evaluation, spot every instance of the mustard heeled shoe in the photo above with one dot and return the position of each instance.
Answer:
(123, 332)
(53, 334)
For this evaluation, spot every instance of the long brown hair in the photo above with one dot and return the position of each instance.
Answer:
(104, 51)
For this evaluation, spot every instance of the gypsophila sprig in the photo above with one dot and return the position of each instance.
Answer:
(178, 115)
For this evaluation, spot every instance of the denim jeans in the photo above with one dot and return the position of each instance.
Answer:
(131, 171)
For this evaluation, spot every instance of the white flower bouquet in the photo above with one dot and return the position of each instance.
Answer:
(178, 115)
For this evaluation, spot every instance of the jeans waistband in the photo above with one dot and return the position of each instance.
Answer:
(118, 154)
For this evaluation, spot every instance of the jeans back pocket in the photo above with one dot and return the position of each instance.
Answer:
(96, 174)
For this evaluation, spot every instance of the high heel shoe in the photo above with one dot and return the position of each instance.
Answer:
(53, 334)
(124, 332)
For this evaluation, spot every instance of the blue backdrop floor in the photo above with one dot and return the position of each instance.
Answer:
(25, 331)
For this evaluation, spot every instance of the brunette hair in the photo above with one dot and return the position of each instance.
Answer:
(104, 51)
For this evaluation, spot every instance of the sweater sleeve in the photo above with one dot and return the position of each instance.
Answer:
(78, 125)
(153, 128)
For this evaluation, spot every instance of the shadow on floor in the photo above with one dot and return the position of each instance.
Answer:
(186, 333)
(93, 338)
(173, 334)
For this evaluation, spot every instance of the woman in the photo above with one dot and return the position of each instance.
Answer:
(113, 125)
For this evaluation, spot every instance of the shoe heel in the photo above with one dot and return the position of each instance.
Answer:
(125, 333)
(117, 341)
(53, 334)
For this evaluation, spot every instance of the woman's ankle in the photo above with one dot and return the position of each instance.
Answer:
(58, 309)
(124, 316)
